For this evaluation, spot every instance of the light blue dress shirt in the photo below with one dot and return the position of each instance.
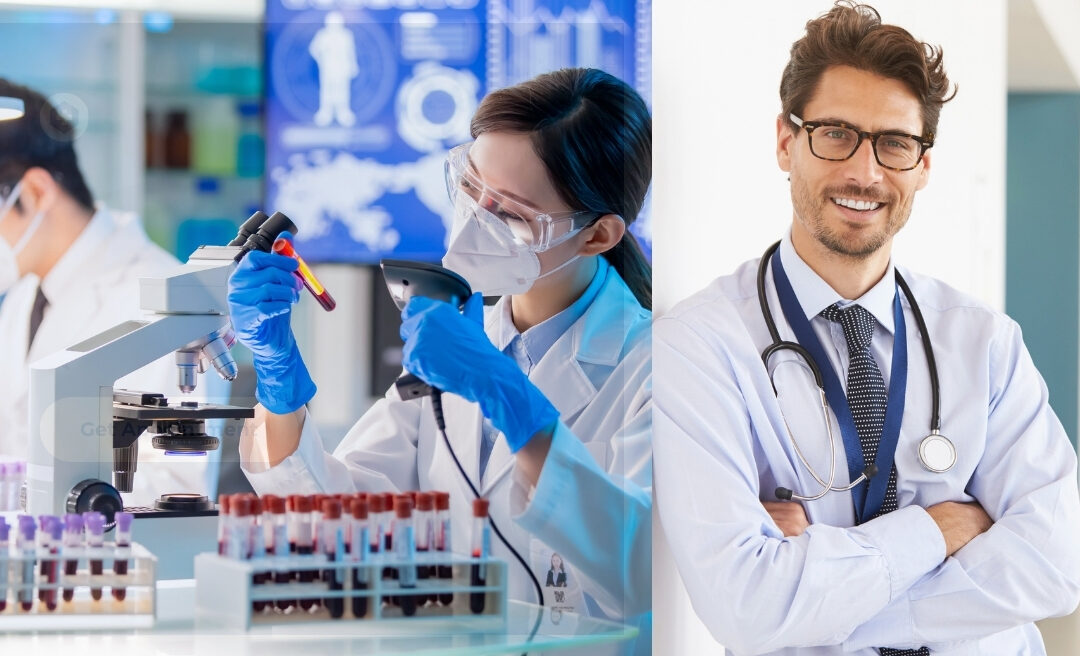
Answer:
(527, 348)
(721, 446)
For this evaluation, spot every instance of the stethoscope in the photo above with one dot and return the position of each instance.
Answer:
(936, 452)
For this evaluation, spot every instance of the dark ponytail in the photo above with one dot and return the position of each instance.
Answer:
(593, 133)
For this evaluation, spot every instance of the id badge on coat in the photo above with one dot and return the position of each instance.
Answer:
(558, 579)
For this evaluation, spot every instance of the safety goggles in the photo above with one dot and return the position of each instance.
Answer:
(531, 228)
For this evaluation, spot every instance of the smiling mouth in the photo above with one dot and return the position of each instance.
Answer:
(858, 205)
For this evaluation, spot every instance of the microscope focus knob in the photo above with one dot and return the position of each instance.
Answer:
(95, 495)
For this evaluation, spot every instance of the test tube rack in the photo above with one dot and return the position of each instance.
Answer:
(226, 594)
(25, 610)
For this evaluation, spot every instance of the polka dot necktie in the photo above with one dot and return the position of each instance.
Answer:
(867, 398)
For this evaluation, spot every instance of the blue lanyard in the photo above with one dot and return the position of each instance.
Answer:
(867, 498)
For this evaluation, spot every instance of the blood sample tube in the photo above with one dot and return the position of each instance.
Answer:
(224, 506)
(27, 552)
(56, 531)
(292, 520)
(257, 540)
(333, 541)
(266, 521)
(283, 247)
(239, 544)
(405, 550)
(375, 528)
(304, 546)
(424, 520)
(316, 520)
(360, 553)
(281, 549)
(95, 543)
(442, 542)
(5, 503)
(5, 534)
(73, 542)
(16, 478)
(123, 552)
(46, 596)
(387, 522)
(481, 548)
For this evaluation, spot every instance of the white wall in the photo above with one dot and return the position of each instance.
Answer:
(719, 198)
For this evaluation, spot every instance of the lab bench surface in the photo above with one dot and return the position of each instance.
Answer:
(177, 632)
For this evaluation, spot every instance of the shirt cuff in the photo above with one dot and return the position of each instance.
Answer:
(296, 474)
(534, 507)
(911, 543)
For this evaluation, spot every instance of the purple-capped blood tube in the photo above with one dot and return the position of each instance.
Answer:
(5, 534)
(123, 552)
(73, 543)
(95, 546)
(25, 545)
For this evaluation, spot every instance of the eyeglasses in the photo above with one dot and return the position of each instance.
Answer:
(531, 227)
(839, 141)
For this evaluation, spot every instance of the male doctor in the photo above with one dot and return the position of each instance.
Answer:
(967, 530)
(68, 271)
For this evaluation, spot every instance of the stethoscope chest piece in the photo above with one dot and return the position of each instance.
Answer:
(937, 453)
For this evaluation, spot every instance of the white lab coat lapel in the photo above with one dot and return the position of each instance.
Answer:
(560, 377)
(597, 338)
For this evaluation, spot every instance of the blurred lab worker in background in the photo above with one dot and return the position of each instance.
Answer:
(547, 393)
(69, 269)
(967, 530)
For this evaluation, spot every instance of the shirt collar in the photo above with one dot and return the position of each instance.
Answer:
(815, 294)
(539, 338)
(74, 262)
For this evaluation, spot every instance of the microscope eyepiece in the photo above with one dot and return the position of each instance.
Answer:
(249, 228)
(263, 238)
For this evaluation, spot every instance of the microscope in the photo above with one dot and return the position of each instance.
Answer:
(84, 434)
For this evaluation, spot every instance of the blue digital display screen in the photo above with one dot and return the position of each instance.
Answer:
(366, 97)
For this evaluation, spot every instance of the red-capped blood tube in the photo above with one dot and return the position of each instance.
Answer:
(442, 541)
(304, 546)
(405, 550)
(481, 548)
(360, 553)
(424, 529)
(283, 247)
(281, 549)
(333, 541)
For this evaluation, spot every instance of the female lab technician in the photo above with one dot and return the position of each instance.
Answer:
(548, 395)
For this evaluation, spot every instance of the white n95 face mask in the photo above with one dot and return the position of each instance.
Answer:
(9, 266)
(486, 252)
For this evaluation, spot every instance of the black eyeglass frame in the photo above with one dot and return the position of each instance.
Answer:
(925, 143)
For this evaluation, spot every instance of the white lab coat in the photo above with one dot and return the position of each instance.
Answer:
(93, 287)
(722, 447)
(593, 500)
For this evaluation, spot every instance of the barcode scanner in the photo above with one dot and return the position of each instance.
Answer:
(405, 279)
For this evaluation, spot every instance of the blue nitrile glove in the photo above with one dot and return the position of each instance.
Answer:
(262, 291)
(452, 352)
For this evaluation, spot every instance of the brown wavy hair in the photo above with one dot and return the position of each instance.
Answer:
(853, 35)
